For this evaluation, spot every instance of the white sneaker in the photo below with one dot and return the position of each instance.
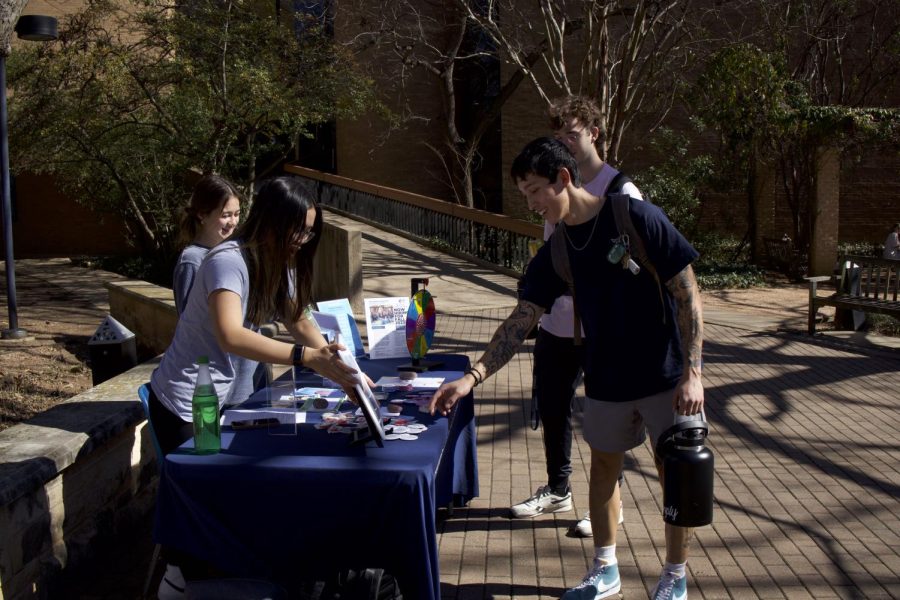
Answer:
(172, 585)
(542, 502)
(602, 581)
(583, 527)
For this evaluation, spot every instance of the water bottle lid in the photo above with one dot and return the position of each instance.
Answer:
(690, 430)
(203, 360)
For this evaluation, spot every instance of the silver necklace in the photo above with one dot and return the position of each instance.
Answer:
(590, 237)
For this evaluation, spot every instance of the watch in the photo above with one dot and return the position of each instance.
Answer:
(297, 357)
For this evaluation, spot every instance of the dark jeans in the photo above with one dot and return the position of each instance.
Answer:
(557, 371)
(171, 431)
(557, 366)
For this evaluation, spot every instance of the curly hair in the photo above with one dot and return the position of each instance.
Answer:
(583, 108)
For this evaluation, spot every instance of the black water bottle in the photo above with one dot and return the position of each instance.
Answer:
(688, 472)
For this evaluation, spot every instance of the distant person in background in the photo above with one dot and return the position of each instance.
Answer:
(209, 219)
(892, 243)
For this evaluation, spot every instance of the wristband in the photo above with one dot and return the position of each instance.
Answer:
(475, 375)
(297, 357)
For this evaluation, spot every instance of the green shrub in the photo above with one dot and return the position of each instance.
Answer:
(883, 325)
(673, 184)
(725, 263)
(860, 248)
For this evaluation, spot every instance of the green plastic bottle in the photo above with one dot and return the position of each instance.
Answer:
(205, 409)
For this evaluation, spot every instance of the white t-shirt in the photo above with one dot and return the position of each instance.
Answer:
(174, 379)
(560, 320)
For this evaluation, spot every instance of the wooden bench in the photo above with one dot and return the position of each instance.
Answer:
(781, 255)
(866, 283)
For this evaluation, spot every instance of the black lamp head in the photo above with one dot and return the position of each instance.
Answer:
(37, 28)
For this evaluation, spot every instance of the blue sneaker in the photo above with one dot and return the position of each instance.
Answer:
(670, 587)
(602, 581)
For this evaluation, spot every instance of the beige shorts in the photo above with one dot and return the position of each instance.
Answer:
(621, 426)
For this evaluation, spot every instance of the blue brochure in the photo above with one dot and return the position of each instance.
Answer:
(342, 311)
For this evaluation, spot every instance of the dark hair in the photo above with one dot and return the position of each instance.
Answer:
(277, 214)
(210, 194)
(583, 108)
(544, 157)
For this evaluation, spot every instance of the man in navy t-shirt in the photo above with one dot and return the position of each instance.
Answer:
(643, 344)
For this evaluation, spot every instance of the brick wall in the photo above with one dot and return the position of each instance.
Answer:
(870, 197)
(49, 224)
(869, 202)
(367, 150)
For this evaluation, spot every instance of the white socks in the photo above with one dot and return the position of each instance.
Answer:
(606, 554)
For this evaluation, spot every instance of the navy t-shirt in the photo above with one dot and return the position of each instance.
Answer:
(632, 343)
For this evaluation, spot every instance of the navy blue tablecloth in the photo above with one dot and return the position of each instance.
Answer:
(306, 504)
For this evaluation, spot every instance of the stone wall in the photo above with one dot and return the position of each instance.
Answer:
(71, 478)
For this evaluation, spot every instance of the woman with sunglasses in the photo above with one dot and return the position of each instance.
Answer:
(264, 270)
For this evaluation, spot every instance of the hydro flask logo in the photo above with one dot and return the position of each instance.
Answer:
(670, 513)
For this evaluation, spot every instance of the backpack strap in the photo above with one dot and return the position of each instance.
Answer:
(617, 183)
(559, 256)
(622, 216)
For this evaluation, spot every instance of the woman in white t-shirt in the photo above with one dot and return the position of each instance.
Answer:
(266, 269)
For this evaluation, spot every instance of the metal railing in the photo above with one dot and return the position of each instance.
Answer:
(496, 239)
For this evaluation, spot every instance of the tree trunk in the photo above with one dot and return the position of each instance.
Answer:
(9, 14)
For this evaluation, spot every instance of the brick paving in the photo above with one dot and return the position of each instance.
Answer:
(805, 436)
(805, 433)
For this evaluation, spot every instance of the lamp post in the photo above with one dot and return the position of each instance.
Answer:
(40, 29)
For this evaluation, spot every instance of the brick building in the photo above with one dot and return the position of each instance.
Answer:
(869, 186)
(46, 222)
(402, 155)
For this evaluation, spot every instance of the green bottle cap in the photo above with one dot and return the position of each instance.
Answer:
(203, 360)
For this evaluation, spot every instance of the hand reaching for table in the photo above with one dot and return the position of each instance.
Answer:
(449, 394)
(326, 362)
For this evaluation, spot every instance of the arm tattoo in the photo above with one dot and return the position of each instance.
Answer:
(508, 337)
(689, 312)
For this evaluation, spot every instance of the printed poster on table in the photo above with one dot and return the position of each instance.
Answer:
(386, 326)
(342, 311)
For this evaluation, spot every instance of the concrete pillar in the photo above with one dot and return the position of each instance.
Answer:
(338, 266)
(764, 202)
(825, 211)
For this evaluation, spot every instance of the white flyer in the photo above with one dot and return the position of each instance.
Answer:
(386, 327)
(341, 310)
(419, 383)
